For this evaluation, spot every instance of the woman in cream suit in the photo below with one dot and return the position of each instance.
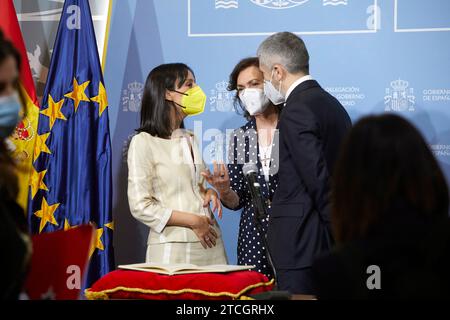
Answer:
(166, 190)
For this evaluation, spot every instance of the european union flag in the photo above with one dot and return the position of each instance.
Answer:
(71, 181)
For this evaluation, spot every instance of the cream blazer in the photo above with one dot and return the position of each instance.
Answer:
(164, 175)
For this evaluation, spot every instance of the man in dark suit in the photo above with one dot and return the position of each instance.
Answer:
(312, 125)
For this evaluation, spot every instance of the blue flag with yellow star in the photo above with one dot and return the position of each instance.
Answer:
(71, 180)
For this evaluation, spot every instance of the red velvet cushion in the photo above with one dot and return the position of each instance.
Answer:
(126, 284)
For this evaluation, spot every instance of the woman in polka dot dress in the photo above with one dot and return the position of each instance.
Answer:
(257, 142)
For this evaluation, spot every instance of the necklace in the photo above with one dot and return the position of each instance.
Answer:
(265, 155)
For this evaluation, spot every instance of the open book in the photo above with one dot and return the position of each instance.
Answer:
(172, 269)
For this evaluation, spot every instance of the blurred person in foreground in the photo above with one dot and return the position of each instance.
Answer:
(15, 244)
(389, 216)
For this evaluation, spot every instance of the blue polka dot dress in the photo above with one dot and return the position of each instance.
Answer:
(244, 148)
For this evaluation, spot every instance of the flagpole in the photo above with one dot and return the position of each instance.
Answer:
(106, 39)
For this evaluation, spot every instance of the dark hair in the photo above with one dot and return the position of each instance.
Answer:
(232, 83)
(7, 50)
(155, 109)
(8, 179)
(384, 161)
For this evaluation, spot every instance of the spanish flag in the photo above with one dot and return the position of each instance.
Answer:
(25, 133)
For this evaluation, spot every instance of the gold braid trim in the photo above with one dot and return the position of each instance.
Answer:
(104, 295)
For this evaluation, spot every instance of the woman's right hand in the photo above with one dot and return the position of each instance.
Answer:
(219, 179)
(202, 227)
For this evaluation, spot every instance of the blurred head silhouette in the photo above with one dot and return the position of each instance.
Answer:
(384, 164)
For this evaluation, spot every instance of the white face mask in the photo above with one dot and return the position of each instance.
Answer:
(9, 114)
(254, 100)
(274, 95)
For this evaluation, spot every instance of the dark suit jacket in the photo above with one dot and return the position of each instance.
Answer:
(312, 126)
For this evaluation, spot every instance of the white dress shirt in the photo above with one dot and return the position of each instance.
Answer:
(296, 83)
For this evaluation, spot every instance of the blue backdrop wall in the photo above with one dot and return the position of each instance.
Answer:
(374, 56)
